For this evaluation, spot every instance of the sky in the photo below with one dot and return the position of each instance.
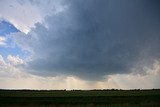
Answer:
(83, 44)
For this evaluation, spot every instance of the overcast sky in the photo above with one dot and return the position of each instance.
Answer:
(79, 44)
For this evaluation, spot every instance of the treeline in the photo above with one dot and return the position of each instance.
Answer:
(81, 90)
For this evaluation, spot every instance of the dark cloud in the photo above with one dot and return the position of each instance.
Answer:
(93, 38)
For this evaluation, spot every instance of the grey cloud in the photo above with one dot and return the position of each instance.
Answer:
(93, 38)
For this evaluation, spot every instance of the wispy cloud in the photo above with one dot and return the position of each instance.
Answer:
(15, 60)
(2, 41)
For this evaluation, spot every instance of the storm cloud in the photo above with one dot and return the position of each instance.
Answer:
(93, 38)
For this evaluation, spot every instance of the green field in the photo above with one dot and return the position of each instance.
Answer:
(78, 98)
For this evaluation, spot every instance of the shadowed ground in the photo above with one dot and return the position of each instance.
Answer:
(92, 98)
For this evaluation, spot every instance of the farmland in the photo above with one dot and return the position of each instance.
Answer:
(80, 98)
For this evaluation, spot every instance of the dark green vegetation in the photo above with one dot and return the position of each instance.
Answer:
(92, 98)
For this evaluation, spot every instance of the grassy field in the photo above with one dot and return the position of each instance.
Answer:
(77, 98)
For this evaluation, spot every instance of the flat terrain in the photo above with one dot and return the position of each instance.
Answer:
(78, 98)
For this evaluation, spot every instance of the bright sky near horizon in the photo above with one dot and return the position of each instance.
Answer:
(85, 44)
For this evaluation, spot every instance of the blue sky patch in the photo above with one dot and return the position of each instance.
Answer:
(7, 28)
